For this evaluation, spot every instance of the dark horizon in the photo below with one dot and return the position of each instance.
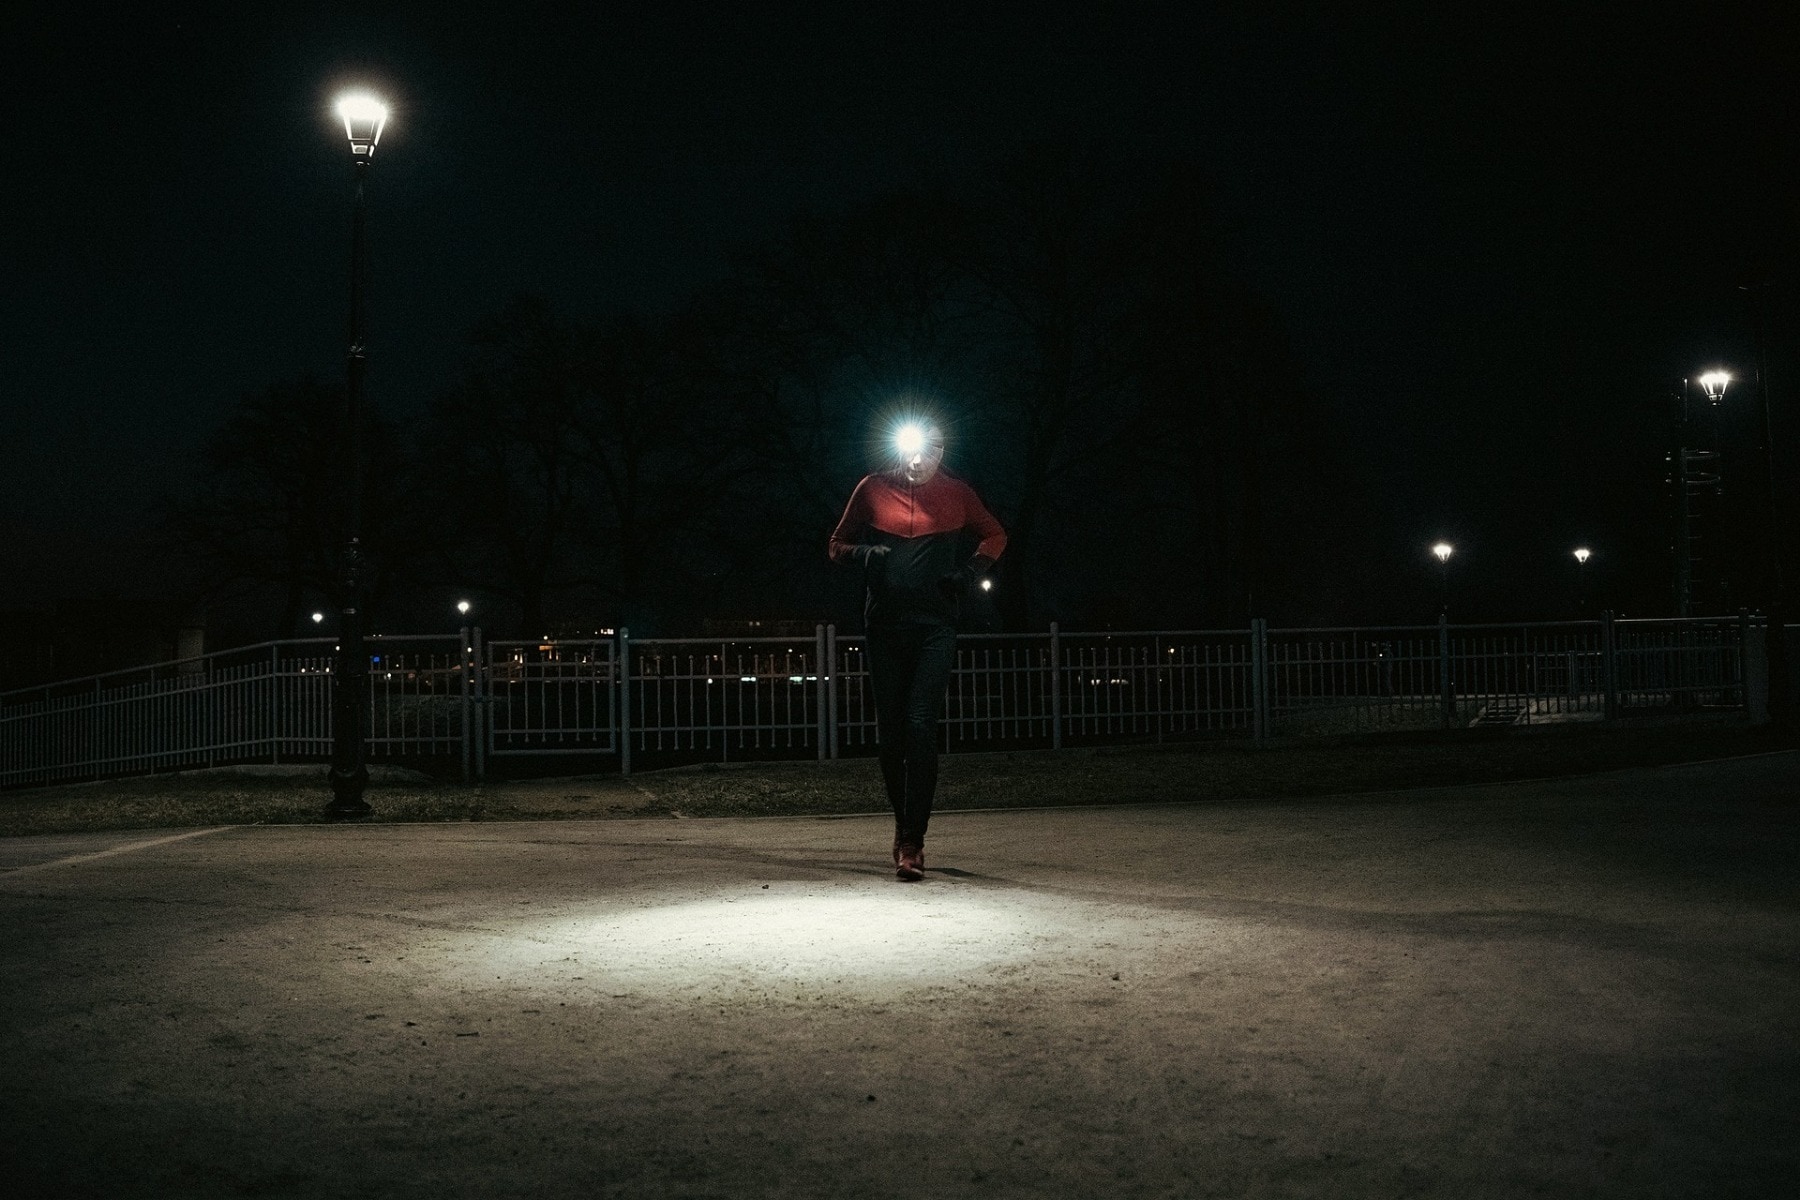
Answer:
(1495, 248)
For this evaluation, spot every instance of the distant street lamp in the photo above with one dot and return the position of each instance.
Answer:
(462, 606)
(1582, 554)
(318, 618)
(1444, 550)
(364, 118)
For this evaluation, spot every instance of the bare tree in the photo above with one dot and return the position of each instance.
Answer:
(665, 465)
(1050, 252)
(821, 340)
(503, 451)
(267, 501)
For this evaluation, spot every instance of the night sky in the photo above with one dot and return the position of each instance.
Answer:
(1495, 243)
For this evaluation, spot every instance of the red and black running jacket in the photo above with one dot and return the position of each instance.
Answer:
(920, 578)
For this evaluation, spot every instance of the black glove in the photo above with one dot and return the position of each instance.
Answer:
(952, 583)
(868, 556)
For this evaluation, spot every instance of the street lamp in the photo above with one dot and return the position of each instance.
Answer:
(364, 118)
(1444, 550)
(462, 606)
(1695, 477)
(1582, 554)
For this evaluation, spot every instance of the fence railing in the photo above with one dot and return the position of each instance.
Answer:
(449, 700)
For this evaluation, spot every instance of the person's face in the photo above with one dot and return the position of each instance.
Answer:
(922, 463)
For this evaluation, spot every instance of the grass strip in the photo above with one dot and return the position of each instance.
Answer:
(1204, 771)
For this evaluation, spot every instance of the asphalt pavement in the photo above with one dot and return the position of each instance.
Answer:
(1577, 987)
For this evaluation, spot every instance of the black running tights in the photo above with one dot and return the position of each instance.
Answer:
(909, 666)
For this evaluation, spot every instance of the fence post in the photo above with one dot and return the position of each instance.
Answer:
(1055, 687)
(1753, 663)
(1444, 681)
(1259, 678)
(819, 691)
(831, 687)
(275, 702)
(481, 667)
(623, 725)
(1156, 681)
(1609, 667)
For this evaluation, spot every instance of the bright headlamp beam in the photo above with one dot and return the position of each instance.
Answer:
(909, 439)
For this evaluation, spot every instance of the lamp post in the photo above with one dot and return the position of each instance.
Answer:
(1444, 550)
(1582, 554)
(1696, 475)
(364, 117)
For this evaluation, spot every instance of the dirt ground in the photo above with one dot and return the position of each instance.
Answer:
(1580, 987)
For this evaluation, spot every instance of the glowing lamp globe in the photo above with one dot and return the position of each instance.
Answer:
(364, 118)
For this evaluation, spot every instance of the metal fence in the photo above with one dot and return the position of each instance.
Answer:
(267, 703)
(445, 701)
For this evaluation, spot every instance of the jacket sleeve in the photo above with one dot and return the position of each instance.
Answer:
(981, 522)
(844, 546)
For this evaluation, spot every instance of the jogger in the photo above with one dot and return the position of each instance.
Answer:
(903, 527)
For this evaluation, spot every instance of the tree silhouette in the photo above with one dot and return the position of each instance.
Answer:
(504, 451)
(1125, 404)
(665, 466)
(266, 505)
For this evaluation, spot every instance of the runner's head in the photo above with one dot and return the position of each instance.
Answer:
(918, 451)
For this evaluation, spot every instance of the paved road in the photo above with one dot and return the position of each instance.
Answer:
(1572, 988)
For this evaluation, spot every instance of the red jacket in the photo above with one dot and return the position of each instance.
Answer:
(906, 539)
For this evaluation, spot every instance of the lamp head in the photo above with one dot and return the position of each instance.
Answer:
(1443, 550)
(1583, 554)
(365, 116)
(1715, 383)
